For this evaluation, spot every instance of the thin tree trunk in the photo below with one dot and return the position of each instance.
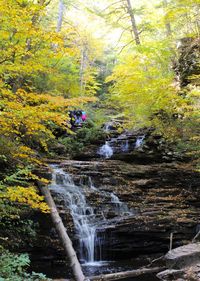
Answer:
(44, 2)
(167, 23)
(133, 22)
(60, 15)
(171, 241)
(67, 244)
(83, 67)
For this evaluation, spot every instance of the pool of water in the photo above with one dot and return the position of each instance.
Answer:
(60, 270)
(106, 267)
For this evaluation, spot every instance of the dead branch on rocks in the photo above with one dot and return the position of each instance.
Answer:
(125, 274)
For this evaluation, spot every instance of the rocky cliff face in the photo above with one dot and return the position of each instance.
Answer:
(188, 61)
(163, 199)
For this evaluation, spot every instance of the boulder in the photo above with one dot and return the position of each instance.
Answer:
(183, 263)
(183, 256)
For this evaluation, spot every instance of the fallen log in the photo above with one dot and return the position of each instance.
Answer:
(125, 274)
(67, 244)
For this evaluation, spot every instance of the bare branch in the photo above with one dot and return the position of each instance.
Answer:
(128, 28)
(112, 4)
(125, 46)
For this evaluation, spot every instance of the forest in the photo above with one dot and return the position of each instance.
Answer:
(132, 68)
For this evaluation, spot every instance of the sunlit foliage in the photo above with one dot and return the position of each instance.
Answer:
(157, 84)
(39, 82)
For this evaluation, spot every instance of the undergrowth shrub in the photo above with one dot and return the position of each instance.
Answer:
(89, 134)
(13, 267)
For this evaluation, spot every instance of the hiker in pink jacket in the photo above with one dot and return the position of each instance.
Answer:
(84, 116)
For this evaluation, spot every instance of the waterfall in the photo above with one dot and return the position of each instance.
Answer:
(119, 205)
(125, 146)
(139, 141)
(87, 221)
(106, 150)
(82, 214)
(107, 127)
(91, 185)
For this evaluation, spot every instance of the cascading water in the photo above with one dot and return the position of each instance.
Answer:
(82, 214)
(86, 221)
(123, 143)
(125, 146)
(106, 150)
(107, 127)
(119, 205)
(91, 185)
(139, 141)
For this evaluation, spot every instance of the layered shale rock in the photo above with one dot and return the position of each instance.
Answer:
(162, 199)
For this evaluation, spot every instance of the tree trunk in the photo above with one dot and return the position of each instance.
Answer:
(133, 22)
(67, 244)
(60, 15)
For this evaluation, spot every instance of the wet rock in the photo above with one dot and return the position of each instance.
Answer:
(183, 263)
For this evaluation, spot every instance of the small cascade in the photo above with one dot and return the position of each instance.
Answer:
(82, 214)
(119, 205)
(111, 126)
(125, 146)
(139, 141)
(106, 150)
(107, 127)
(121, 145)
(91, 185)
